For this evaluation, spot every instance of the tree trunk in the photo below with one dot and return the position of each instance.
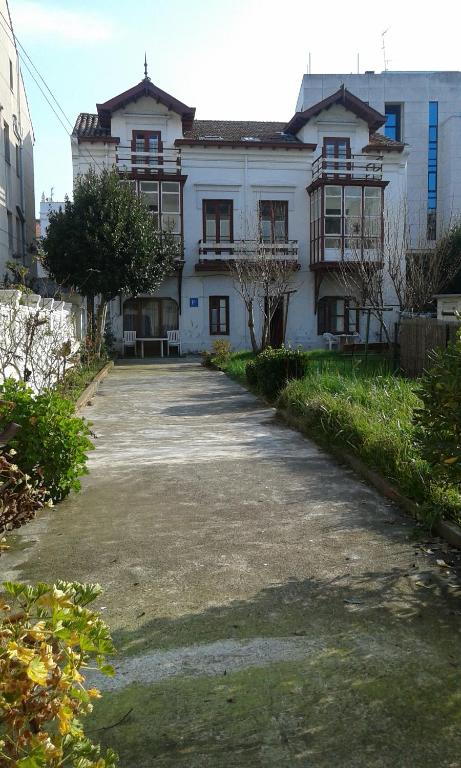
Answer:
(100, 326)
(251, 327)
(91, 320)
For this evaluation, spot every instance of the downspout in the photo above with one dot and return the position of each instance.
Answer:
(21, 161)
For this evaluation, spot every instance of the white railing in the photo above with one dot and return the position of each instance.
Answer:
(354, 167)
(130, 160)
(248, 249)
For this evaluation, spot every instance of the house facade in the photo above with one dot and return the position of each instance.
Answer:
(423, 110)
(17, 203)
(311, 190)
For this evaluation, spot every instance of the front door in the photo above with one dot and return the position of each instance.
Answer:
(277, 329)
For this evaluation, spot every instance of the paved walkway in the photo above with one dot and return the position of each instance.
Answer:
(270, 609)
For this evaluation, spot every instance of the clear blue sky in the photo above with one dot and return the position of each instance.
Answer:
(234, 59)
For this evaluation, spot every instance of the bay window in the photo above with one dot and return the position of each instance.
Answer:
(345, 219)
(163, 198)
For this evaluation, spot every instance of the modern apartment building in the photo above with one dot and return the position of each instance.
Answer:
(17, 206)
(313, 188)
(423, 111)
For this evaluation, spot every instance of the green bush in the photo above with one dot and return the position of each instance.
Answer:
(271, 369)
(440, 418)
(52, 443)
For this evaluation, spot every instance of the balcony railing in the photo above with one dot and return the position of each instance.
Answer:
(165, 161)
(364, 167)
(248, 249)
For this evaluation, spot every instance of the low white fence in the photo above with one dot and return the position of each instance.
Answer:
(39, 338)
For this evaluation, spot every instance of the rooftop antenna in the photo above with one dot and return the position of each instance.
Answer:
(146, 76)
(386, 61)
(358, 63)
(309, 66)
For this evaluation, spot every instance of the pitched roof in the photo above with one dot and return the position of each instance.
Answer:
(145, 88)
(248, 133)
(347, 99)
(88, 125)
(238, 130)
(381, 143)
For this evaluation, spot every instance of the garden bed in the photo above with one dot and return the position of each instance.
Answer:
(76, 381)
(357, 405)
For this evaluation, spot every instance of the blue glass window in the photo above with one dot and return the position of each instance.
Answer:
(393, 127)
(432, 170)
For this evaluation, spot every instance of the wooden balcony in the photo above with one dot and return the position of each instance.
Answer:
(215, 257)
(166, 162)
(355, 167)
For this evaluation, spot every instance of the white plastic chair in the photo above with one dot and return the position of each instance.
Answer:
(173, 340)
(331, 340)
(129, 340)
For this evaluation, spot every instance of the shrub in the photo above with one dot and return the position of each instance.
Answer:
(20, 498)
(47, 636)
(440, 418)
(221, 350)
(52, 443)
(271, 369)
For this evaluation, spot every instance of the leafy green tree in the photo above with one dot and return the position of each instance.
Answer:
(440, 418)
(105, 242)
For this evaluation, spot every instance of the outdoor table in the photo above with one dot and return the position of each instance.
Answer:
(151, 338)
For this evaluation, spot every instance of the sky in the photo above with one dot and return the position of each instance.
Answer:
(231, 59)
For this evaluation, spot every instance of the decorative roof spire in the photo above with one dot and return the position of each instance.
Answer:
(146, 76)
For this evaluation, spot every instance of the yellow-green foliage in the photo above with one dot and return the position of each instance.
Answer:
(47, 638)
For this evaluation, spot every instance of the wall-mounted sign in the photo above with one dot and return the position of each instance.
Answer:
(193, 302)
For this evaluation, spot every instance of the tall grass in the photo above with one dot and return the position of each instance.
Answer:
(372, 417)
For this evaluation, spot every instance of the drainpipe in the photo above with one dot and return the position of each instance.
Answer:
(21, 160)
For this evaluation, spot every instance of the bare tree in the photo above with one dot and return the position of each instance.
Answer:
(262, 273)
(417, 270)
(402, 270)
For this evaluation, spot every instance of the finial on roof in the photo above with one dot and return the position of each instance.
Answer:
(146, 76)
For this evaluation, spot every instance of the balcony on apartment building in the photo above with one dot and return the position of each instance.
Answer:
(215, 257)
(148, 162)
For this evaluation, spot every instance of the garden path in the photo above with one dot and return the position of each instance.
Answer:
(269, 608)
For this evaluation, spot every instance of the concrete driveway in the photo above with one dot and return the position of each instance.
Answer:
(270, 609)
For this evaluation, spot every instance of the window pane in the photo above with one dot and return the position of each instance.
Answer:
(353, 201)
(333, 225)
(171, 222)
(333, 191)
(333, 207)
(148, 186)
(332, 242)
(353, 225)
(170, 202)
(170, 186)
(224, 229)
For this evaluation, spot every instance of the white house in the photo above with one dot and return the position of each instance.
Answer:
(314, 187)
(17, 207)
(423, 110)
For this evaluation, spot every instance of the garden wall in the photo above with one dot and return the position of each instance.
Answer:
(419, 336)
(39, 338)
